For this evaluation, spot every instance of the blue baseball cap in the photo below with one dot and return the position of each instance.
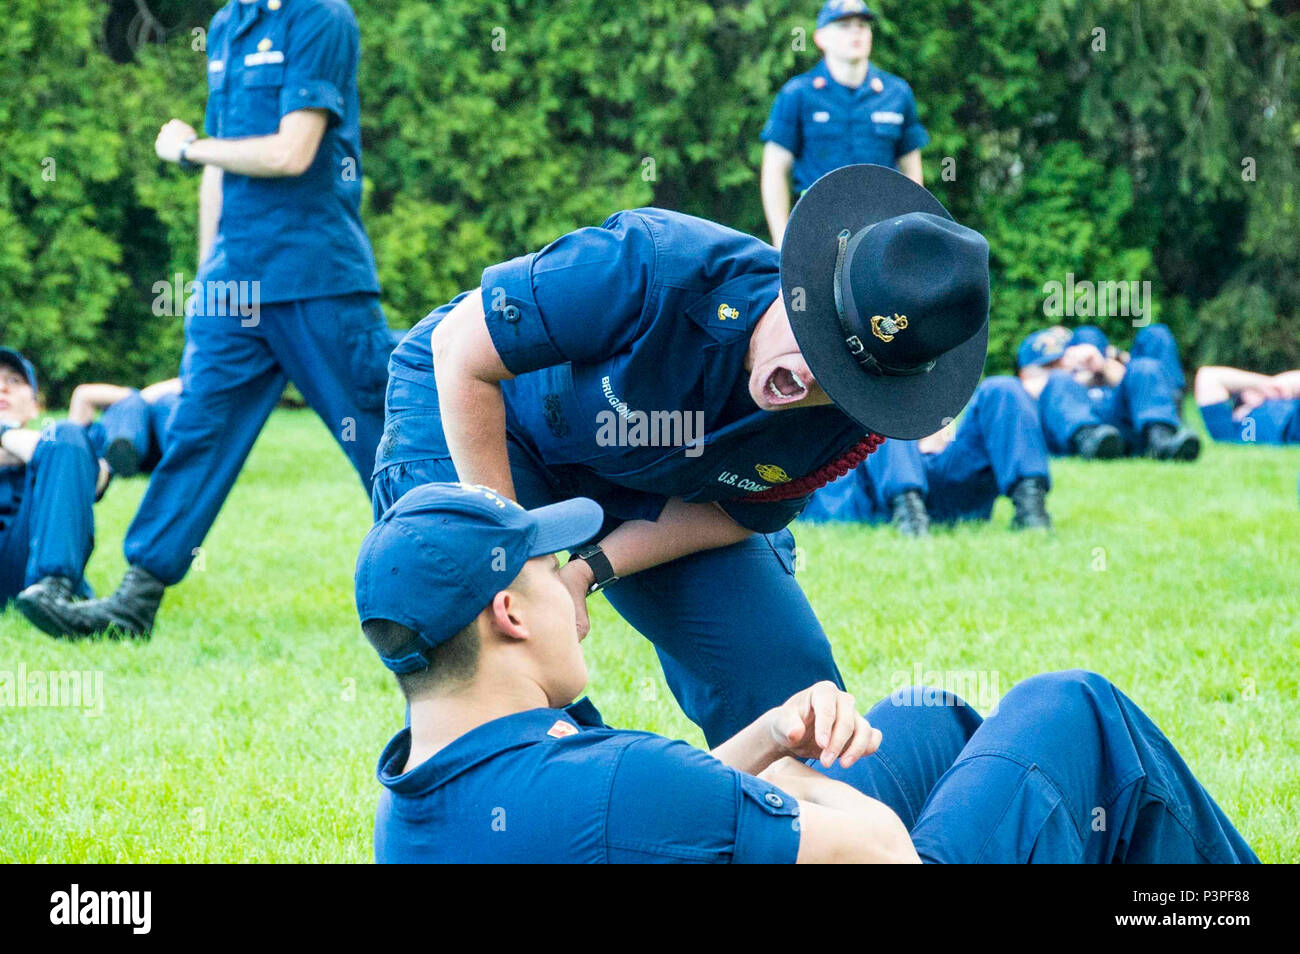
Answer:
(15, 360)
(1043, 347)
(1090, 334)
(440, 554)
(834, 10)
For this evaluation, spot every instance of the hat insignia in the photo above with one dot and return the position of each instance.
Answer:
(772, 473)
(885, 328)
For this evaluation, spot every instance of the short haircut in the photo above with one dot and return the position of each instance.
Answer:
(451, 662)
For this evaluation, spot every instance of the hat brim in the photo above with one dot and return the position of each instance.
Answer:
(19, 363)
(564, 525)
(904, 408)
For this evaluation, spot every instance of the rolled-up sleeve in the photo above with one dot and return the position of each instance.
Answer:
(583, 298)
(670, 802)
(764, 517)
(783, 122)
(323, 45)
(914, 135)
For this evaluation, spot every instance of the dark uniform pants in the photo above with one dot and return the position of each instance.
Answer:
(52, 531)
(998, 443)
(335, 349)
(1068, 769)
(732, 627)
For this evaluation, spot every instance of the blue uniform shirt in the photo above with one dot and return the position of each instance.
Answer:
(826, 125)
(300, 236)
(606, 327)
(558, 786)
(1272, 422)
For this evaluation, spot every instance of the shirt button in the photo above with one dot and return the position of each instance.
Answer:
(773, 799)
(510, 313)
(302, 92)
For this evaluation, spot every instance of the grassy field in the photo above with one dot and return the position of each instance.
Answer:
(249, 727)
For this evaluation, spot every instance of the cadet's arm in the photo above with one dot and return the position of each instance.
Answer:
(838, 824)
(289, 151)
(1214, 385)
(19, 443)
(87, 399)
(209, 209)
(774, 185)
(160, 389)
(909, 164)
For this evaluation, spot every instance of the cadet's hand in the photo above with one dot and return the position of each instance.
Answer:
(170, 139)
(822, 722)
(577, 576)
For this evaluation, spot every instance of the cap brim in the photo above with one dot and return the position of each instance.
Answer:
(565, 525)
(904, 408)
(19, 363)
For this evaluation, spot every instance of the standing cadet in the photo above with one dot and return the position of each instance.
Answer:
(841, 112)
(131, 434)
(47, 496)
(998, 449)
(700, 386)
(286, 288)
(1100, 405)
(1243, 407)
(459, 595)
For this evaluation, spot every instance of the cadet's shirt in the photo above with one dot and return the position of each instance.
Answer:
(558, 786)
(1273, 422)
(13, 482)
(300, 236)
(629, 343)
(826, 125)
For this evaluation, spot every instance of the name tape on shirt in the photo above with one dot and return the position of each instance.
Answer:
(821, 116)
(885, 116)
(263, 57)
(216, 66)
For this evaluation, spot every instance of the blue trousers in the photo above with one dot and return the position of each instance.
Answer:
(731, 626)
(1147, 394)
(1068, 769)
(335, 349)
(136, 420)
(998, 443)
(51, 531)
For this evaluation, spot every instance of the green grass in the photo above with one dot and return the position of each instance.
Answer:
(248, 729)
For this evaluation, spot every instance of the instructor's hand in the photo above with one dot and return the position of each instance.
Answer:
(577, 576)
(823, 723)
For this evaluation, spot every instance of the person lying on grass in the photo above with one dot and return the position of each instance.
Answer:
(458, 590)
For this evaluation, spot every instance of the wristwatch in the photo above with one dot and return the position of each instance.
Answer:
(182, 161)
(600, 567)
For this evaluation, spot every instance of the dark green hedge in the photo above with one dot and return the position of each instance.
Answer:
(1128, 162)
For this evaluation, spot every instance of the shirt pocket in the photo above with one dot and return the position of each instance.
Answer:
(886, 124)
(823, 133)
(255, 106)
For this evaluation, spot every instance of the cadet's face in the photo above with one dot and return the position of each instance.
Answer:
(779, 377)
(552, 621)
(846, 39)
(17, 399)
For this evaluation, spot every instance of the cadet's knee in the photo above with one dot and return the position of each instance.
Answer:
(943, 714)
(1001, 384)
(1152, 334)
(1067, 690)
(64, 437)
(1143, 369)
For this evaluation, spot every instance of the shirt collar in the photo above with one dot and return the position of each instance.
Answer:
(517, 730)
(822, 70)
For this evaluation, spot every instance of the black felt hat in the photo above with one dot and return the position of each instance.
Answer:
(888, 298)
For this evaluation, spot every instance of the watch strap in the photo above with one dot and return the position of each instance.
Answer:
(601, 568)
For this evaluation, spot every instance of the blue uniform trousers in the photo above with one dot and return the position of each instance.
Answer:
(732, 627)
(1147, 394)
(335, 349)
(136, 420)
(1068, 769)
(998, 443)
(52, 530)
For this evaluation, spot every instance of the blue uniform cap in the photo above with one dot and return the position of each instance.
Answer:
(1090, 334)
(440, 554)
(1043, 347)
(15, 360)
(834, 10)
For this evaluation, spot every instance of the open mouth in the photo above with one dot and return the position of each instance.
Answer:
(785, 387)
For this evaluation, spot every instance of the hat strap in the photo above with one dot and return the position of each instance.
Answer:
(866, 360)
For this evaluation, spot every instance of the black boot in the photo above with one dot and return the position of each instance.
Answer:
(35, 601)
(1029, 497)
(1166, 442)
(122, 457)
(1098, 442)
(128, 612)
(910, 516)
